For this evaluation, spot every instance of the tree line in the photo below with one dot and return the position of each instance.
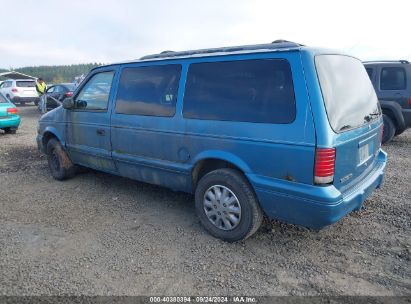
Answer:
(56, 73)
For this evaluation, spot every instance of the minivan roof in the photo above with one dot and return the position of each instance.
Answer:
(275, 46)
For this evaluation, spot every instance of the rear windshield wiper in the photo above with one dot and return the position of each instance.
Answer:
(344, 128)
(369, 117)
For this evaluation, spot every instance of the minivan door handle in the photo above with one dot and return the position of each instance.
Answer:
(100, 132)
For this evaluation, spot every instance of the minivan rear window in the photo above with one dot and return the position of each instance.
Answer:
(259, 91)
(25, 84)
(349, 96)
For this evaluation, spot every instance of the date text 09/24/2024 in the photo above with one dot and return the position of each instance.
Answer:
(205, 299)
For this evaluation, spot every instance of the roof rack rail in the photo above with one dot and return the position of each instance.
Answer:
(400, 61)
(277, 44)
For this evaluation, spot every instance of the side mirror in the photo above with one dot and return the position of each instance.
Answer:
(68, 103)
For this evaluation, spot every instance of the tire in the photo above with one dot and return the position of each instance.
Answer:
(22, 103)
(36, 103)
(389, 129)
(60, 165)
(10, 130)
(237, 189)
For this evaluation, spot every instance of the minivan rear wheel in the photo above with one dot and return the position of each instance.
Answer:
(61, 167)
(389, 129)
(226, 205)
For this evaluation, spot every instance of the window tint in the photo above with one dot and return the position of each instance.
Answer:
(369, 72)
(95, 93)
(247, 90)
(392, 78)
(25, 84)
(148, 90)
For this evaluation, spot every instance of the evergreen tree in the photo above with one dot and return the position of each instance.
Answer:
(57, 73)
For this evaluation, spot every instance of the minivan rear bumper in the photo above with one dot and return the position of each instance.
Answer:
(313, 206)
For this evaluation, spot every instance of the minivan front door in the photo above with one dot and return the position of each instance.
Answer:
(88, 124)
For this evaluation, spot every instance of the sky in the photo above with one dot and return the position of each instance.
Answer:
(51, 32)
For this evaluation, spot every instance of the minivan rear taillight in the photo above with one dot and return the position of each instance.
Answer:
(11, 110)
(409, 102)
(14, 90)
(324, 166)
(68, 94)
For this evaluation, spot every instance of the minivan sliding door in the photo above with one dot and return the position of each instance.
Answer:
(146, 137)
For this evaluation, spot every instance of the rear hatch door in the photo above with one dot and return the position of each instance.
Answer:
(354, 116)
(356, 154)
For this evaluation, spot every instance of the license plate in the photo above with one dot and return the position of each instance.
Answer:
(364, 152)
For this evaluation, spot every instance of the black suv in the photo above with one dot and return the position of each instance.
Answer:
(392, 83)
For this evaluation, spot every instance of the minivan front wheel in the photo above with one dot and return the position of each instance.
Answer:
(389, 129)
(226, 205)
(60, 165)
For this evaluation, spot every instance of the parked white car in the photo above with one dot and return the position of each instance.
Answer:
(20, 90)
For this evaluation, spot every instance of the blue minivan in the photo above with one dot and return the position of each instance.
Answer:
(279, 129)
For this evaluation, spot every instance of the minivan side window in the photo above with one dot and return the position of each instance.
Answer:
(259, 91)
(392, 78)
(95, 93)
(149, 90)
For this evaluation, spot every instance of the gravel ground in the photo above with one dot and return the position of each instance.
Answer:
(99, 234)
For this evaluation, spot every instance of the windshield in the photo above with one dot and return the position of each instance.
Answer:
(25, 84)
(349, 96)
